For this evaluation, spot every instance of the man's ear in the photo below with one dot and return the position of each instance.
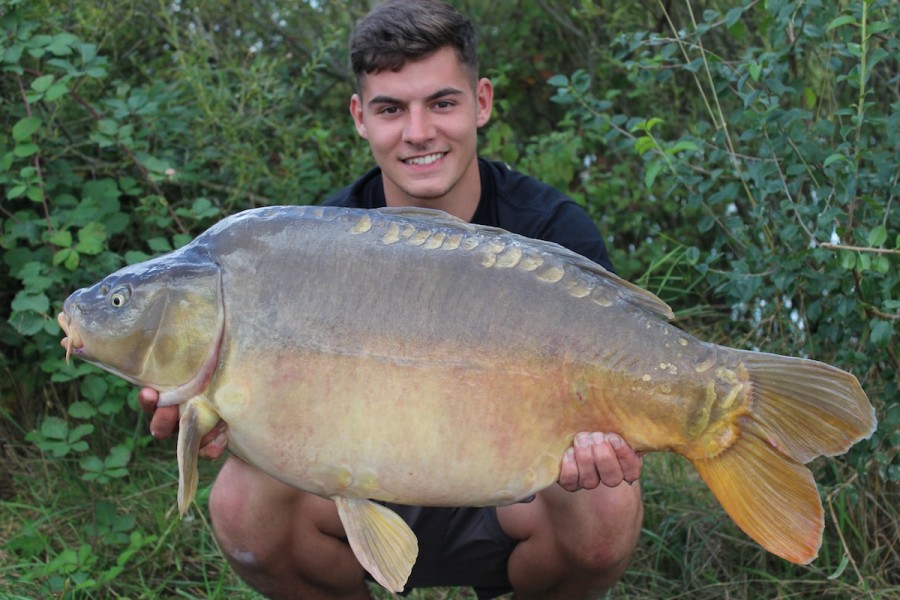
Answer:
(356, 111)
(484, 95)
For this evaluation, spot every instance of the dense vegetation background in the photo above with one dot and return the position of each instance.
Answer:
(741, 156)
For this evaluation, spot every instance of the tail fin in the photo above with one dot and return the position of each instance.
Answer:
(799, 409)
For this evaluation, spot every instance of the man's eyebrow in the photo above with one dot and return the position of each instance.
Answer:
(447, 91)
(441, 93)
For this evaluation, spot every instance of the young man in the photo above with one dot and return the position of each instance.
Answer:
(419, 104)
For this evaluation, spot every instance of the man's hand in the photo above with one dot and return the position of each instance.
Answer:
(596, 458)
(165, 420)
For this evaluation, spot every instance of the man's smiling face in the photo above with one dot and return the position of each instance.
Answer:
(421, 123)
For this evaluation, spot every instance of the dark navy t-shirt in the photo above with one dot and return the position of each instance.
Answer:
(509, 200)
(467, 546)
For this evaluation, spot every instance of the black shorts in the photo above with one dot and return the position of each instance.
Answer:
(458, 547)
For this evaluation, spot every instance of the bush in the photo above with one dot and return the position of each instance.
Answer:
(741, 160)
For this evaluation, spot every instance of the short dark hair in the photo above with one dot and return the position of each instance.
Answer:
(398, 31)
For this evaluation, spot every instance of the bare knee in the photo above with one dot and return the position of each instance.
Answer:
(574, 545)
(249, 514)
(611, 546)
(284, 542)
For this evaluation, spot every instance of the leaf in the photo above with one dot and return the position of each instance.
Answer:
(91, 239)
(810, 98)
(35, 193)
(42, 83)
(92, 464)
(15, 191)
(644, 144)
(88, 52)
(881, 264)
(62, 44)
(848, 261)
(841, 21)
(13, 54)
(755, 70)
(881, 332)
(67, 257)
(54, 428)
(61, 237)
(26, 149)
(834, 158)
(153, 164)
(118, 456)
(81, 431)
(159, 244)
(845, 560)
(24, 301)
(81, 410)
(27, 323)
(558, 81)
(733, 16)
(94, 388)
(56, 91)
(111, 405)
(682, 146)
(878, 236)
(24, 128)
(652, 171)
(108, 126)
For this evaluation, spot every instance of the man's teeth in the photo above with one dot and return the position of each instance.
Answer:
(424, 160)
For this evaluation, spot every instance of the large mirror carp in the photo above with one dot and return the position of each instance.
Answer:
(404, 355)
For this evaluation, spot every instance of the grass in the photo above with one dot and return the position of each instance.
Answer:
(64, 537)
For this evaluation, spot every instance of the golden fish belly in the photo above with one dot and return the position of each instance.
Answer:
(441, 431)
(423, 434)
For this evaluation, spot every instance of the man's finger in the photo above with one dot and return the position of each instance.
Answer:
(147, 399)
(213, 444)
(568, 471)
(164, 421)
(605, 461)
(630, 461)
(588, 474)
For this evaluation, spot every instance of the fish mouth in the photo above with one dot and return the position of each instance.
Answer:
(72, 341)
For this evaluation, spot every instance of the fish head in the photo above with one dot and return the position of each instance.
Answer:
(158, 323)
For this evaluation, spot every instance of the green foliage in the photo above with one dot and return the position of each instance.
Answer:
(741, 158)
(768, 210)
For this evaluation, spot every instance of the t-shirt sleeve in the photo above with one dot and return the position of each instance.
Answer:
(569, 225)
(532, 208)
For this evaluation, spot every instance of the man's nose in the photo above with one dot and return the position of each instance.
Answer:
(419, 128)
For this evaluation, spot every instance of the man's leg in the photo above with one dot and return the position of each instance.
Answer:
(573, 544)
(283, 542)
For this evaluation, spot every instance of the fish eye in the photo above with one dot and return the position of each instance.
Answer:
(119, 296)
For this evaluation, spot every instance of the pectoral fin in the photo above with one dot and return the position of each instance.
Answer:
(383, 543)
(197, 419)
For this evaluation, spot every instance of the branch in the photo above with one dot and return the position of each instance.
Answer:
(828, 246)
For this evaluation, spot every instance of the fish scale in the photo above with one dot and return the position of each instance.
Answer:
(407, 356)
